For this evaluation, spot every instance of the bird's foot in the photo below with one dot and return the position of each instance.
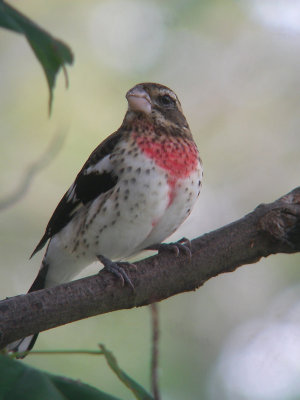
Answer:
(182, 246)
(116, 268)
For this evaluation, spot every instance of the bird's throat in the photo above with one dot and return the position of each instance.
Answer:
(177, 156)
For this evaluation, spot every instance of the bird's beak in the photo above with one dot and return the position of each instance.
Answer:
(139, 100)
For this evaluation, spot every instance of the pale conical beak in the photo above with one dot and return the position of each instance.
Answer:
(139, 100)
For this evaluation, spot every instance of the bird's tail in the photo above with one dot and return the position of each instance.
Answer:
(27, 343)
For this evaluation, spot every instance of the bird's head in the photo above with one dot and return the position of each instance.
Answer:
(157, 103)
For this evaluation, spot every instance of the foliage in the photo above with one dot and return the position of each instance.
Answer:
(19, 381)
(138, 391)
(52, 53)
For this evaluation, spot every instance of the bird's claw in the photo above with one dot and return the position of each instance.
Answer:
(128, 265)
(182, 246)
(116, 268)
(185, 246)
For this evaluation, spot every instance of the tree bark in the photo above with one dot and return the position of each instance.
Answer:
(269, 229)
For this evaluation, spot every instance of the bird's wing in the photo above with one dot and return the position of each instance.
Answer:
(96, 177)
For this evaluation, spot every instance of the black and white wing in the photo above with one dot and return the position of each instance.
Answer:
(96, 177)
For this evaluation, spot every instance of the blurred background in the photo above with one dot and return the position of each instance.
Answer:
(235, 68)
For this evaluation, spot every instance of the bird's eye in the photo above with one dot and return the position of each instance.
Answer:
(166, 100)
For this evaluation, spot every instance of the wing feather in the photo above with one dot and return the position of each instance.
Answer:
(95, 177)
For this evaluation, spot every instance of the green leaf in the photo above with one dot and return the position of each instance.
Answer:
(52, 53)
(138, 391)
(18, 381)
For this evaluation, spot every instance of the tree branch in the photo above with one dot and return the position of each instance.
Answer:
(269, 229)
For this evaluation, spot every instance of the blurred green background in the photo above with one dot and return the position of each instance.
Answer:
(235, 68)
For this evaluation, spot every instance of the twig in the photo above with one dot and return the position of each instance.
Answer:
(56, 352)
(155, 351)
(66, 352)
(32, 170)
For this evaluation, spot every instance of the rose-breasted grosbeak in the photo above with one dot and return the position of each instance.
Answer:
(134, 191)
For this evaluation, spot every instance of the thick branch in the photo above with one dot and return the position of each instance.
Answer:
(269, 229)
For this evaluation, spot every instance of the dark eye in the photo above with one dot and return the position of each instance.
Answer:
(166, 100)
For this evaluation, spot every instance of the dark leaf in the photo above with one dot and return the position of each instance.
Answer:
(52, 53)
(18, 381)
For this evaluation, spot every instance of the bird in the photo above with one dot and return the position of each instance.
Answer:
(136, 188)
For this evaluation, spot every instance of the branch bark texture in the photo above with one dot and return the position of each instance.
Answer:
(269, 229)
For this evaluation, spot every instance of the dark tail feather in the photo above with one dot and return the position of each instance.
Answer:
(39, 282)
(27, 343)
(40, 245)
(22, 345)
